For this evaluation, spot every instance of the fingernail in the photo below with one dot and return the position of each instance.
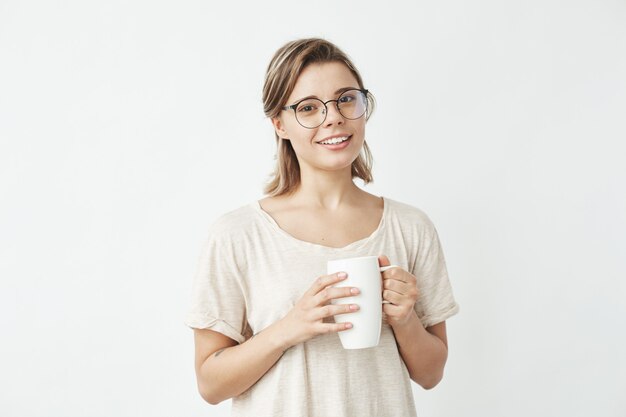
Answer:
(342, 275)
(354, 290)
(353, 307)
(348, 325)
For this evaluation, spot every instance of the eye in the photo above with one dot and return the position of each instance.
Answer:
(307, 108)
(346, 98)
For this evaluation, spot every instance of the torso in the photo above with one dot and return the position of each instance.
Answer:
(335, 229)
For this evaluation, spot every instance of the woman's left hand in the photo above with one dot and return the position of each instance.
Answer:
(400, 289)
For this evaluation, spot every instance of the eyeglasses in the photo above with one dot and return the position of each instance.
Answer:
(312, 112)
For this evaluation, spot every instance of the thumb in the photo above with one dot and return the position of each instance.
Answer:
(383, 261)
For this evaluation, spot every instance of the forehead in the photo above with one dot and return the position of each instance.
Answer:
(323, 80)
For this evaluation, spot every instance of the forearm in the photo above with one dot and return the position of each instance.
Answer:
(423, 353)
(229, 372)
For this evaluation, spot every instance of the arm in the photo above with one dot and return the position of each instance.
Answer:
(424, 351)
(225, 369)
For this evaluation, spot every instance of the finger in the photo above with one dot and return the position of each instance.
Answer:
(334, 309)
(397, 286)
(334, 327)
(397, 274)
(326, 280)
(383, 261)
(393, 297)
(330, 293)
(392, 310)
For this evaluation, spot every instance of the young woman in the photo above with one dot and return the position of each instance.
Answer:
(261, 312)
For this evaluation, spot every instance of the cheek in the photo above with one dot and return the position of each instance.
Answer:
(298, 134)
(302, 142)
(304, 138)
(359, 128)
(359, 135)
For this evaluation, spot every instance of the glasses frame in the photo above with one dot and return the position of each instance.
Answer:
(325, 103)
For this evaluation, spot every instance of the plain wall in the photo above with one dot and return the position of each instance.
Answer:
(127, 127)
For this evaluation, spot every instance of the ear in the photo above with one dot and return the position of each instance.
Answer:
(279, 128)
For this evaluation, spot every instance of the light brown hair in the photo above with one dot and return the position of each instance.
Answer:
(280, 79)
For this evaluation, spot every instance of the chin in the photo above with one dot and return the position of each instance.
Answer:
(339, 165)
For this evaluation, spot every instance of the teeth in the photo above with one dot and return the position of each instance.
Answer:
(334, 141)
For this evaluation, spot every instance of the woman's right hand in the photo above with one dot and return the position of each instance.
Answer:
(305, 320)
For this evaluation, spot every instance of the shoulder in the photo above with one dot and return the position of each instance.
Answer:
(233, 225)
(408, 215)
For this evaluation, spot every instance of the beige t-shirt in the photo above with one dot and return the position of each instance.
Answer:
(251, 273)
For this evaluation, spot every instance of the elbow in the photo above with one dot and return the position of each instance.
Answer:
(428, 383)
(208, 398)
(209, 388)
(209, 395)
(431, 378)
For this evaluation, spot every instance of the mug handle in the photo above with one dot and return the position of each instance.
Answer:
(383, 269)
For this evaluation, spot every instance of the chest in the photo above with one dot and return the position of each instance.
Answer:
(329, 229)
(275, 278)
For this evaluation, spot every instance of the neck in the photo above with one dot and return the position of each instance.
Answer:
(328, 190)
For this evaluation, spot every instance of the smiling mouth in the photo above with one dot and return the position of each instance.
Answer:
(335, 141)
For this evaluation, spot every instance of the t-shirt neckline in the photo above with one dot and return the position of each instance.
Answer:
(351, 246)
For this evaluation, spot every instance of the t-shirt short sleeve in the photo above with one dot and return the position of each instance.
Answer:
(217, 300)
(436, 302)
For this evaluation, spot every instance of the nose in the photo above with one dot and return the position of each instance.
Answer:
(333, 115)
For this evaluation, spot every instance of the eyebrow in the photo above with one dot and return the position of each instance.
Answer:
(341, 90)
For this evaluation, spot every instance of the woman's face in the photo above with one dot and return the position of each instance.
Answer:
(322, 81)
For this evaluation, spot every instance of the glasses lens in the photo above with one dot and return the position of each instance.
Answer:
(310, 113)
(352, 104)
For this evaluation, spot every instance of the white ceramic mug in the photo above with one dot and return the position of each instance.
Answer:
(364, 274)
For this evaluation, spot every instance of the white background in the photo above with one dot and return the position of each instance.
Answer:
(126, 128)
